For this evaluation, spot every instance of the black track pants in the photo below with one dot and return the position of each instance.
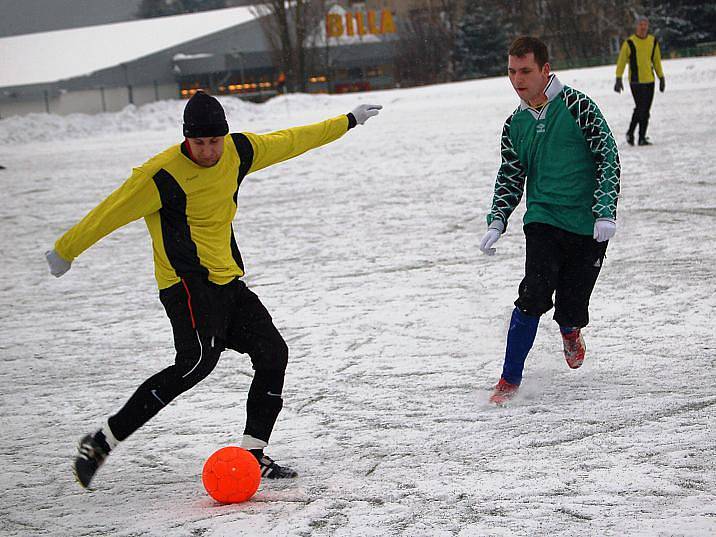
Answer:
(562, 264)
(246, 327)
(643, 97)
(251, 331)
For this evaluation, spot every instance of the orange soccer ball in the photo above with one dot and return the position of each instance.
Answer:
(231, 475)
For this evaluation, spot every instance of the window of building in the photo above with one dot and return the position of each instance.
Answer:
(374, 71)
(355, 72)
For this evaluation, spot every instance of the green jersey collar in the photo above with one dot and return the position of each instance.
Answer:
(553, 88)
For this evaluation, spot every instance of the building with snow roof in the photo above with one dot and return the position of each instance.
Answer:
(105, 68)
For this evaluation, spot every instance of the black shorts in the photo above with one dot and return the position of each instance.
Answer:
(560, 264)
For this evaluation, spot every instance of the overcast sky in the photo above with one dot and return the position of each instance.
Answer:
(29, 16)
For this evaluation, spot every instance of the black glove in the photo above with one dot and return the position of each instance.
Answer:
(662, 84)
(618, 86)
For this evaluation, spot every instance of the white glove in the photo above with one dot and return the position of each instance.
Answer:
(494, 231)
(604, 229)
(58, 266)
(365, 111)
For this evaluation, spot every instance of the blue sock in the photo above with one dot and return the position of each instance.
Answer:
(521, 336)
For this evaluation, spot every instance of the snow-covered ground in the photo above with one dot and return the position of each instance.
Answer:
(365, 251)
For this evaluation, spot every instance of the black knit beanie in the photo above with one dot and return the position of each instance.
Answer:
(204, 117)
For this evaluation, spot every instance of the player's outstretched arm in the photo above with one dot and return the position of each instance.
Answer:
(136, 197)
(286, 144)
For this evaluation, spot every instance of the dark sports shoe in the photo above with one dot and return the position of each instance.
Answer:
(91, 454)
(504, 391)
(271, 470)
(574, 348)
(644, 141)
(630, 138)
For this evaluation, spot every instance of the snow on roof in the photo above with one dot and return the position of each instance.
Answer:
(51, 56)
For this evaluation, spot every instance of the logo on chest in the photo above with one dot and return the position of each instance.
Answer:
(540, 128)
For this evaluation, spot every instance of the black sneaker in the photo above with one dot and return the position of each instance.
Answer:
(630, 138)
(644, 141)
(91, 454)
(271, 470)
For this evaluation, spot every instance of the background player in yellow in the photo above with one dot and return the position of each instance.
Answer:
(642, 52)
(187, 196)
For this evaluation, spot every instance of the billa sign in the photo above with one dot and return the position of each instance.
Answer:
(359, 23)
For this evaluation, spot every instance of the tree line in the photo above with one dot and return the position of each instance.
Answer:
(444, 40)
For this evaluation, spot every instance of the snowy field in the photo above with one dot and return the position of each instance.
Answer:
(365, 252)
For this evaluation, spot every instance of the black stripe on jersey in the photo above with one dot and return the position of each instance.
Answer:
(246, 156)
(176, 235)
(235, 253)
(633, 64)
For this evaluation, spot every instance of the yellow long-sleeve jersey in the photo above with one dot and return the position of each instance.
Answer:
(188, 209)
(643, 56)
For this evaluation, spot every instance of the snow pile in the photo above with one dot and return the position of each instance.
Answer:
(692, 73)
(160, 115)
(156, 116)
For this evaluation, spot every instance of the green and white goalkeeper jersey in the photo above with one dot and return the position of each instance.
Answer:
(568, 159)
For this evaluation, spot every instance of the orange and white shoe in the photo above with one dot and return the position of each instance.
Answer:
(504, 391)
(574, 348)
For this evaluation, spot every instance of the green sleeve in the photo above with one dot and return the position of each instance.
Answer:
(510, 182)
(603, 147)
(285, 144)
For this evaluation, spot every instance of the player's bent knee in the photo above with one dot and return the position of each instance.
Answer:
(274, 356)
(533, 308)
(195, 367)
(279, 356)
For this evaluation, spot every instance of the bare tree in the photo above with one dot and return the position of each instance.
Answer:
(288, 27)
(426, 40)
(274, 21)
(574, 29)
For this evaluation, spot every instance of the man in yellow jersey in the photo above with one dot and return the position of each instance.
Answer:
(641, 50)
(187, 196)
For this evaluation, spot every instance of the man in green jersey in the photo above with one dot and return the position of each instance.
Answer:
(558, 145)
